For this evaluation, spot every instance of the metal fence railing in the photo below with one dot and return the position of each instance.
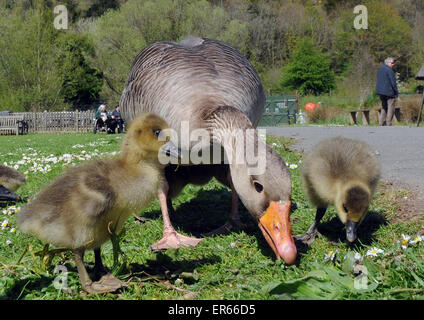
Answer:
(279, 110)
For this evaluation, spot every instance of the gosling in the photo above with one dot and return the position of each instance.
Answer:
(81, 209)
(10, 181)
(344, 173)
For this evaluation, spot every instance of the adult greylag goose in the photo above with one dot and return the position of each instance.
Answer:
(85, 206)
(206, 84)
(344, 173)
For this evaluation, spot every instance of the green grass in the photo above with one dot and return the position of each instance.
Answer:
(239, 265)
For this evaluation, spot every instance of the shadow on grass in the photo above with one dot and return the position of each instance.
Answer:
(209, 210)
(335, 231)
(165, 267)
(28, 284)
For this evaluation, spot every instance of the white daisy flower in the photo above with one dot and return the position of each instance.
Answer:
(293, 166)
(374, 252)
(13, 230)
(4, 224)
(330, 255)
(8, 242)
(416, 240)
(405, 240)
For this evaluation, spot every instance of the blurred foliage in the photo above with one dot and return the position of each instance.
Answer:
(105, 36)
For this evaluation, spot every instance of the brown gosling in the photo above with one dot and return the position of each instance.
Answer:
(82, 208)
(344, 173)
(10, 181)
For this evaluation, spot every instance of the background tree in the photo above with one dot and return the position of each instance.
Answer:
(42, 68)
(308, 71)
(28, 79)
(81, 84)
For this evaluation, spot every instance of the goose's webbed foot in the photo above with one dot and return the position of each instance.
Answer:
(312, 232)
(108, 283)
(172, 239)
(308, 237)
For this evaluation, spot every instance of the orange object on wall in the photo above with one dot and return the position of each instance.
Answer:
(311, 106)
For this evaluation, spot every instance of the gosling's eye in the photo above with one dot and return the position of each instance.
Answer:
(157, 132)
(345, 209)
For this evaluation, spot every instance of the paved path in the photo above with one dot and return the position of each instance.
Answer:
(400, 148)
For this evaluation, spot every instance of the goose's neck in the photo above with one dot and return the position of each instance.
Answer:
(225, 121)
(227, 118)
(233, 130)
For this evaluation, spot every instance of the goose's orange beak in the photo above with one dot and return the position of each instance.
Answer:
(275, 226)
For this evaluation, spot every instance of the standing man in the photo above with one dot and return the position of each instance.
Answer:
(387, 89)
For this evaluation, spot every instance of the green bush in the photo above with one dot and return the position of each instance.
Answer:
(308, 71)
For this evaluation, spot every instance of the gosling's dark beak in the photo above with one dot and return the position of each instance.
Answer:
(275, 226)
(170, 150)
(351, 227)
(7, 195)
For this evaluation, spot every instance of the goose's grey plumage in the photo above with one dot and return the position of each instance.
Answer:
(212, 86)
(176, 80)
(341, 172)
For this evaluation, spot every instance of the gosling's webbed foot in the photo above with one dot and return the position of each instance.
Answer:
(108, 283)
(174, 240)
(141, 219)
(308, 237)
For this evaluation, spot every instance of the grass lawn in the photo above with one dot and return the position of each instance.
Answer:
(239, 265)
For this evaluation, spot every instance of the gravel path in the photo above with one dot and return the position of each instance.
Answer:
(400, 148)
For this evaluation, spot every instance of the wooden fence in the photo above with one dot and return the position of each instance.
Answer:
(61, 121)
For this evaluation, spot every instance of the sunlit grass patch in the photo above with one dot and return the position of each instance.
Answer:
(238, 265)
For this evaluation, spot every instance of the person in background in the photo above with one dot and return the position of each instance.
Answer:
(103, 118)
(117, 120)
(387, 89)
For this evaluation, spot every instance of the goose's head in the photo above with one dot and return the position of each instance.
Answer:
(10, 178)
(7, 195)
(147, 138)
(352, 204)
(267, 196)
(259, 175)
